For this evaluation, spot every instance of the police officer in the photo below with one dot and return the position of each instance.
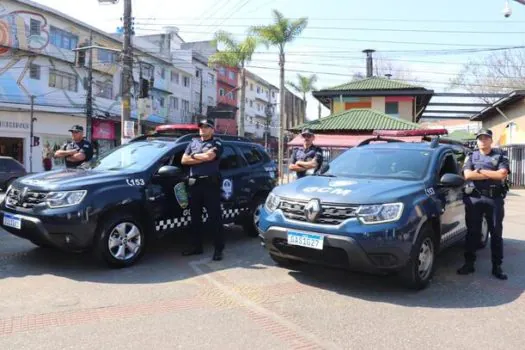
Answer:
(485, 171)
(306, 159)
(77, 151)
(204, 187)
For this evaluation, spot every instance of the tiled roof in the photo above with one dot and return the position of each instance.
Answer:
(373, 83)
(358, 119)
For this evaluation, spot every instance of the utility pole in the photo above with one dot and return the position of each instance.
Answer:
(200, 104)
(127, 77)
(31, 132)
(319, 111)
(139, 115)
(267, 124)
(89, 98)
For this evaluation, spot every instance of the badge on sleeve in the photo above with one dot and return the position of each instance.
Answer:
(181, 194)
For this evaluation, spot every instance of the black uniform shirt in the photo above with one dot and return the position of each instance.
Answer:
(307, 154)
(83, 146)
(495, 160)
(207, 168)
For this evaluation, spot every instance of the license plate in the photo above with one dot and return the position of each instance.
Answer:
(306, 240)
(12, 221)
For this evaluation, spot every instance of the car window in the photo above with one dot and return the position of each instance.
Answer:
(406, 164)
(229, 159)
(252, 155)
(3, 165)
(449, 166)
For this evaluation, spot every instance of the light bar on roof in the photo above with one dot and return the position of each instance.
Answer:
(176, 127)
(402, 133)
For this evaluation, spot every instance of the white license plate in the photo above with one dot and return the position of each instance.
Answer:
(12, 221)
(306, 240)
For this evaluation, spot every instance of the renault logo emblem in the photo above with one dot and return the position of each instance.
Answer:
(312, 210)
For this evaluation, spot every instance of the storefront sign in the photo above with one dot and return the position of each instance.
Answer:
(103, 130)
(14, 125)
(129, 129)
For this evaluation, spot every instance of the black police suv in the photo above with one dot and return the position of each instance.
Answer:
(114, 204)
(385, 207)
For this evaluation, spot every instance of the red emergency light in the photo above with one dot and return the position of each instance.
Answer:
(176, 127)
(406, 133)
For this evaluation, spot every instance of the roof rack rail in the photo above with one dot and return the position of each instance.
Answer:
(377, 138)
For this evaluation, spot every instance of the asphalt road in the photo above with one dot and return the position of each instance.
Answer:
(51, 300)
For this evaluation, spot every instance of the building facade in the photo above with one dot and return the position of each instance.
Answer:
(37, 59)
(261, 111)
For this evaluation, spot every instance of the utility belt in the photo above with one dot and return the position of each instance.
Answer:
(203, 179)
(492, 192)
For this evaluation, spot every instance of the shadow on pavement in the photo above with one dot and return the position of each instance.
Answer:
(162, 261)
(447, 289)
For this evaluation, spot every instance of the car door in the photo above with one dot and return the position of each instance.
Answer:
(166, 197)
(232, 167)
(451, 202)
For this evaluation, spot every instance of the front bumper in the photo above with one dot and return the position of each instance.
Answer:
(67, 231)
(341, 251)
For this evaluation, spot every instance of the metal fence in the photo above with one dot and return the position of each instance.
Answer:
(516, 154)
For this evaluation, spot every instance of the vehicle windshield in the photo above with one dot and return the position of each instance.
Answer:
(406, 164)
(135, 156)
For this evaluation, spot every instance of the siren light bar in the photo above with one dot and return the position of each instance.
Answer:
(404, 133)
(176, 127)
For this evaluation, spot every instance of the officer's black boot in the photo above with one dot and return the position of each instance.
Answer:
(498, 272)
(217, 255)
(467, 268)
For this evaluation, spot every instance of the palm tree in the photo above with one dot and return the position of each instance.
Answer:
(281, 32)
(238, 55)
(304, 85)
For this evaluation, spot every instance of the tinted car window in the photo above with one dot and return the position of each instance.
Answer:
(229, 159)
(406, 164)
(252, 155)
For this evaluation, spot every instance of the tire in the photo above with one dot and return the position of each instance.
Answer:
(423, 254)
(484, 233)
(250, 224)
(284, 262)
(126, 236)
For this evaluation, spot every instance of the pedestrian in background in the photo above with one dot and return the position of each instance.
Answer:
(485, 170)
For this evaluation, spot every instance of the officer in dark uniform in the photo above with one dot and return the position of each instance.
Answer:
(77, 151)
(485, 171)
(204, 187)
(307, 159)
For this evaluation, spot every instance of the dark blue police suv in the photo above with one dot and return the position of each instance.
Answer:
(115, 204)
(380, 207)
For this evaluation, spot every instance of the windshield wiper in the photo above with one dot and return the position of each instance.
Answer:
(326, 175)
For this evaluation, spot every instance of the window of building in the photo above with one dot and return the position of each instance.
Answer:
(210, 101)
(251, 87)
(185, 105)
(34, 71)
(231, 75)
(251, 103)
(392, 108)
(104, 90)
(174, 103)
(221, 92)
(105, 56)
(258, 89)
(211, 78)
(163, 73)
(175, 77)
(198, 73)
(62, 39)
(273, 94)
(222, 71)
(63, 80)
(186, 81)
(34, 27)
(162, 102)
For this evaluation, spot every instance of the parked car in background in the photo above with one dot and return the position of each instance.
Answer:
(10, 169)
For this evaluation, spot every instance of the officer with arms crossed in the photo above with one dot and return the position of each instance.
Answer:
(307, 159)
(485, 171)
(204, 187)
(77, 151)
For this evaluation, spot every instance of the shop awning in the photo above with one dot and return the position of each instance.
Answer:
(344, 141)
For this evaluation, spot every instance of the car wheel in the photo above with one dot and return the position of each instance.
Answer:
(284, 262)
(120, 240)
(484, 233)
(420, 268)
(250, 225)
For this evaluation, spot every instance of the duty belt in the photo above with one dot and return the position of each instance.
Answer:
(491, 192)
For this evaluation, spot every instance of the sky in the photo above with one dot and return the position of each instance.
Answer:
(426, 39)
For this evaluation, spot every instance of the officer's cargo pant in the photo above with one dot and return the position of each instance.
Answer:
(493, 208)
(206, 193)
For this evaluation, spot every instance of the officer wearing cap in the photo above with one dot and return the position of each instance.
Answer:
(204, 187)
(485, 171)
(77, 151)
(307, 159)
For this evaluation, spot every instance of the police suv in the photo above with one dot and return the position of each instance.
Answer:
(382, 207)
(115, 204)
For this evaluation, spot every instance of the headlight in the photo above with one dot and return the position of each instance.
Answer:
(380, 213)
(272, 203)
(65, 198)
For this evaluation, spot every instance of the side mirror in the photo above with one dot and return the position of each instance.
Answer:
(324, 168)
(451, 180)
(169, 171)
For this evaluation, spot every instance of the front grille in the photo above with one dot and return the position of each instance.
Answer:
(17, 198)
(331, 214)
